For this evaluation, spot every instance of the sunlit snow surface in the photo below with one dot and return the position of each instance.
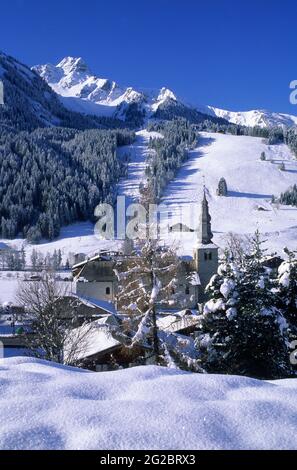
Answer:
(46, 406)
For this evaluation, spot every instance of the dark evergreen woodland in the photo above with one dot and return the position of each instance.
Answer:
(171, 151)
(54, 176)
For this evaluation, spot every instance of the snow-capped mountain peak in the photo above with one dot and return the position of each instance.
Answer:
(83, 91)
(254, 117)
(73, 64)
(165, 93)
(80, 90)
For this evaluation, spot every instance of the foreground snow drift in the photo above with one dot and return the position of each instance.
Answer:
(46, 406)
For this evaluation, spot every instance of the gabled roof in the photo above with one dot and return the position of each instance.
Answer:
(89, 340)
(175, 323)
(102, 304)
(99, 257)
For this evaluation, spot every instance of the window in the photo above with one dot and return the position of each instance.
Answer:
(207, 256)
(107, 291)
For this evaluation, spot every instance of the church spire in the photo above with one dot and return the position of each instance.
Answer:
(204, 230)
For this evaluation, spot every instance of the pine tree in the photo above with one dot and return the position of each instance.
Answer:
(23, 258)
(263, 331)
(217, 338)
(243, 330)
(34, 257)
(222, 188)
(287, 288)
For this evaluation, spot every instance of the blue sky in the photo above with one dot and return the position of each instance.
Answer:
(235, 54)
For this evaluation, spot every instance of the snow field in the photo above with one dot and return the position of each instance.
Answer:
(47, 406)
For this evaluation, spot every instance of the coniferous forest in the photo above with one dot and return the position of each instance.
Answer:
(54, 176)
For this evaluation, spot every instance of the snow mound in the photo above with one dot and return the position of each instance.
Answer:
(48, 406)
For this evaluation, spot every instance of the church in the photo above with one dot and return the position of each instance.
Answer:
(95, 278)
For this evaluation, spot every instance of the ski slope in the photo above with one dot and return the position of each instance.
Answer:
(138, 153)
(49, 406)
(251, 183)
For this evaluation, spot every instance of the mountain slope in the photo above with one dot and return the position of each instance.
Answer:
(256, 117)
(251, 183)
(30, 103)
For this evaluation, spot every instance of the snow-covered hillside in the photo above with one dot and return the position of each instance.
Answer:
(255, 117)
(251, 183)
(47, 406)
(28, 101)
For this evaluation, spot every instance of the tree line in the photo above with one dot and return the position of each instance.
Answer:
(170, 151)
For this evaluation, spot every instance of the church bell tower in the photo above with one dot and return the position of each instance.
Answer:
(205, 252)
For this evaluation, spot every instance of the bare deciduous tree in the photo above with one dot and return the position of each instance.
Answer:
(238, 246)
(50, 329)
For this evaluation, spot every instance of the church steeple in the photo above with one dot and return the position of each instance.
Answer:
(204, 229)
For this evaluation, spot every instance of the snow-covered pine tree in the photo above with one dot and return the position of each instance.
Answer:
(243, 330)
(287, 288)
(217, 336)
(222, 188)
(263, 331)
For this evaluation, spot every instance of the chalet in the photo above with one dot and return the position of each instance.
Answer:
(100, 350)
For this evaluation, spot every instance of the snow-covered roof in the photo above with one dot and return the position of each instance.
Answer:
(109, 307)
(207, 246)
(174, 323)
(88, 340)
(99, 257)
(4, 246)
(108, 320)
